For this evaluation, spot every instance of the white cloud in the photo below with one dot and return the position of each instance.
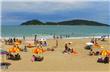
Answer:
(44, 6)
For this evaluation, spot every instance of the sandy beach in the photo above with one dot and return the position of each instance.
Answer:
(56, 61)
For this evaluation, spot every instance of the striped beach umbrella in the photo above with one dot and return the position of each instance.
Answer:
(3, 52)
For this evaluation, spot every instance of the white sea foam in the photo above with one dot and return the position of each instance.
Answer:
(51, 37)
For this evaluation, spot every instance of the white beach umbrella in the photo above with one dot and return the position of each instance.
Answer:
(42, 39)
(89, 43)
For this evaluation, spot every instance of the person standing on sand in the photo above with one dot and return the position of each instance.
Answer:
(33, 58)
(24, 38)
(56, 43)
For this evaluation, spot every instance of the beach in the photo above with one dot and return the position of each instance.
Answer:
(57, 61)
(55, 36)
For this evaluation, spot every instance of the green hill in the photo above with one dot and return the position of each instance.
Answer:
(70, 22)
(32, 22)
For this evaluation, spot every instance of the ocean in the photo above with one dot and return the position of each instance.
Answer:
(47, 30)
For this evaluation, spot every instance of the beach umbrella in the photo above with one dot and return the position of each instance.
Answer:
(89, 43)
(104, 52)
(14, 50)
(42, 39)
(38, 51)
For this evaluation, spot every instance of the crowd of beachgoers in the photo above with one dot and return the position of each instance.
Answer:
(13, 53)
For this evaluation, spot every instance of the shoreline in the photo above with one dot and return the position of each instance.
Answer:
(51, 37)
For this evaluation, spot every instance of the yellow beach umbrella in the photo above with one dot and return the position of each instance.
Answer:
(38, 51)
(14, 50)
(104, 52)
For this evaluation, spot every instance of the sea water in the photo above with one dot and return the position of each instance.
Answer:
(48, 30)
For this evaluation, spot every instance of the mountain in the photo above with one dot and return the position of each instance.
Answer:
(70, 22)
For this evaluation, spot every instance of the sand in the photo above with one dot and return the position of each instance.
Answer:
(56, 61)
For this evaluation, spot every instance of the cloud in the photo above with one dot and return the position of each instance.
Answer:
(49, 10)
(43, 7)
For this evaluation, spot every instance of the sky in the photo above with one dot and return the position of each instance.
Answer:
(17, 12)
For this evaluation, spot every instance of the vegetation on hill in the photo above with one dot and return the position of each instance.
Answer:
(70, 22)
